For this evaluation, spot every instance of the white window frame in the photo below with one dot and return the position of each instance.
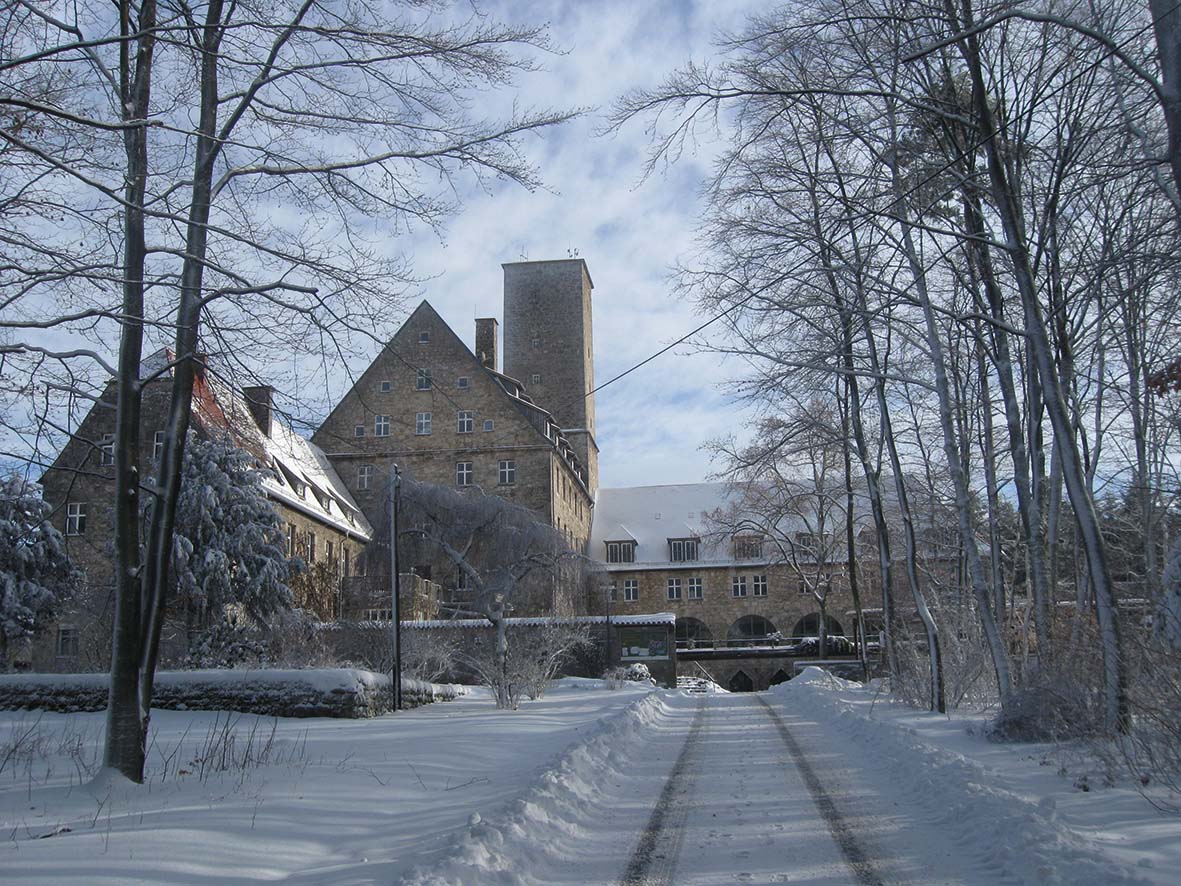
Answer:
(621, 552)
(157, 445)
(463, 382)
(424, 338)
(311, 547)
(694, 589)
(73, 635)
(738, 586)
(631, 590)
(76, 518)
(358, 430)
(381, 426)
(465, 421)
(535, 378)
(463, 473)
(508, 472)
(422, 424)
(377, 615)
(489, 424)
(422, 381)
(365, 476)
(759, 586)
(106, 456)
(673, 588)
(683, 550)
(386, 386)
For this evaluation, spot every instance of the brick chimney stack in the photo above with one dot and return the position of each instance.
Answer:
(260, 402)
(486, 329)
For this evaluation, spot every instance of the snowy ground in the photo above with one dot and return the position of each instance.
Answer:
(816, 782)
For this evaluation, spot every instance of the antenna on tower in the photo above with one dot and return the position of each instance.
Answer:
(524, 256)
(572, 252)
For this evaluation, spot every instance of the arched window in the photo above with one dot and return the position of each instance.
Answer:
(809, 626)
(741, 682)
(780, 676)
(749, 627)
(693, 632)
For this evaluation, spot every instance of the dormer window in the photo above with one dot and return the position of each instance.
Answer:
(682, 550)
(621, 552)
(748, 547)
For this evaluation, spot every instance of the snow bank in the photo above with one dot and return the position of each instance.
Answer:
(1004, 830)
(552, 814)
(312, 692)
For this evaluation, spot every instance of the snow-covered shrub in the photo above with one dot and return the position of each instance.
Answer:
(637, 672)
(229, 546)
(34, 568)
(227, 643)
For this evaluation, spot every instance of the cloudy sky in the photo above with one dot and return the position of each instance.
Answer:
(630, 232)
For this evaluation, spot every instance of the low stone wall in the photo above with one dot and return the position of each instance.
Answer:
(326, 692)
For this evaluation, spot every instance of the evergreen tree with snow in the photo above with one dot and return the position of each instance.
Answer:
(229, 551)
(34, 567)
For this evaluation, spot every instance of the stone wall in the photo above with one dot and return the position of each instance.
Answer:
(338, 692)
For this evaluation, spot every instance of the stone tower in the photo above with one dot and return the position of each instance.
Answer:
(547, 347)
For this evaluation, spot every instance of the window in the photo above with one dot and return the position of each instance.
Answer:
(643, 642)
(674, 589)
(681, 550)
(359, 431)
(364, 476)
(508, 472)
(386, 387)
(290, 539)
(424, 338)
(377, 615)
(804, 588)
(465, 421)
(613, 593)
(535, 343)
(345, 557)
(695, 588)
(311, 547)
(107, 450)
(463, 473)
(423, 382)
(759, 588)
(631, 590)
(381, 426)
(328, 552)
(621, 552)
(488, 424)
(535, 378)
(67, 641)
(157, 445)
(422, 423)
(76, 518)
(748, 547)
(462, 382)
(738, 586)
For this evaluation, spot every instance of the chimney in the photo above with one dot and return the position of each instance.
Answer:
(486, 342)
(259, 402)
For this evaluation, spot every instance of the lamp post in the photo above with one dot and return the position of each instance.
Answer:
(395, 583)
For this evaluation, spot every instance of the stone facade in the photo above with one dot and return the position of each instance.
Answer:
(79, 487)
(427, 404)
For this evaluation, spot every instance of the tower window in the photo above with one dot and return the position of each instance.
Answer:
(157, 445)
(423, 381)
(535, 343)
(535, 378)
(422, 423)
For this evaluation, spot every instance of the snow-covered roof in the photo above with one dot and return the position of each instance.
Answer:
(651, 618)
(301, 476)
(651, 515)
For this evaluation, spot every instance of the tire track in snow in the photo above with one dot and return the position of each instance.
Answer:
(654, 860)
(863, 869)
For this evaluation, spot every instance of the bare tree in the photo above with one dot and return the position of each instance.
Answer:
(247, 210)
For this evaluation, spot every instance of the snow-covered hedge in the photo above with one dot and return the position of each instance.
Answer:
(323, 692)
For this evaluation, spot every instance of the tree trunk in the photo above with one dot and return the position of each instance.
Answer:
(127, 716)
(1166, 22)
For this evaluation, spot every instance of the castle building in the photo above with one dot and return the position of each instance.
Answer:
(445, 413)
(323, 523)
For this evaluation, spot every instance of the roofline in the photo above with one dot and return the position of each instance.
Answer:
(554, 261)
